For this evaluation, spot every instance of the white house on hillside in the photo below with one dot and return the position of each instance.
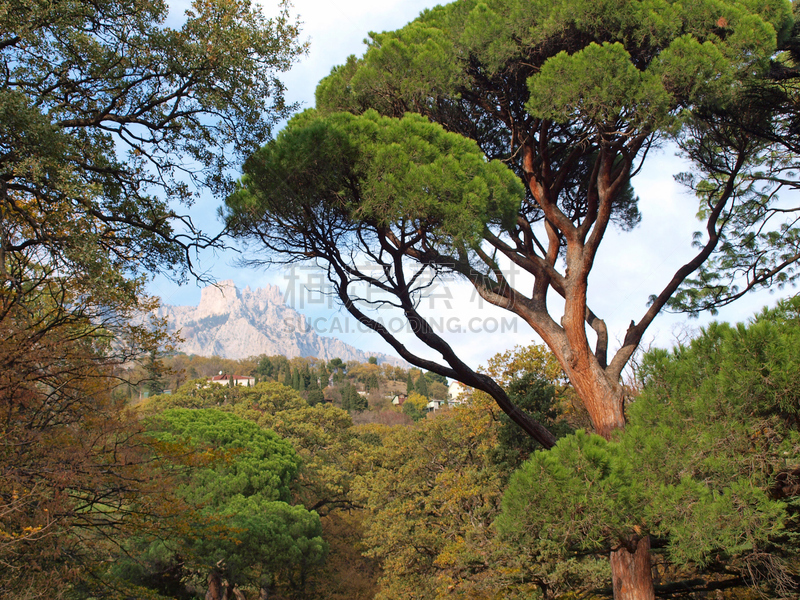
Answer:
(434, 405)
(225, 379)
(458, 393)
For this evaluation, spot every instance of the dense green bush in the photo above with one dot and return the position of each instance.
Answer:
(716, 422)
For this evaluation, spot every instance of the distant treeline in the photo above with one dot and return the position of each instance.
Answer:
(317, 380)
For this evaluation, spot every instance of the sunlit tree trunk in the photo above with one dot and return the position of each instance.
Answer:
(631, 570)
(215, 589)
(220, 590)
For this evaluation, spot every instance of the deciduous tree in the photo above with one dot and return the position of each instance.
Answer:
(74, 463)
(432, 495)
(108, 118)
(108, 115)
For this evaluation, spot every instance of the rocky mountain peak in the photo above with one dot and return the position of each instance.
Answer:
(218, 299)
(235, 323)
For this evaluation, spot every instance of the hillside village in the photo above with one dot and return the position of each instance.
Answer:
(350, 385)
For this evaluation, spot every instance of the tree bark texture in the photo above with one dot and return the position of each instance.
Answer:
(603, 399)
(631, 570)
(215, 588)
(221, 590)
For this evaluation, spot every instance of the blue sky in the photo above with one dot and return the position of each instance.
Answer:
(629, 268)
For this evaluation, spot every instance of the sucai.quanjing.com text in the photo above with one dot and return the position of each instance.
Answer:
(442, 324)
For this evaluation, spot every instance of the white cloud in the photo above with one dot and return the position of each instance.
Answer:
(337, 30)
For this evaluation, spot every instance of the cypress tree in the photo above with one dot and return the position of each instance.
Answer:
(422, 385)
(358, 402)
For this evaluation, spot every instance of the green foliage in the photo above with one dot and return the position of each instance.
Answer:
(324, 375)
(582, 477)
(534, 394)
(585, 51)
(405, 170)
(91, 157)
(695, 466)
(753, 362)
(332, 455)
(155, 374)
(278, 537)
(260, 401)
(411, 409)
(320, 433)
(245, 528)
(315, 397)
(264, 464)
(421, 386)
(345, 392)
(351, 399)
(372, 383)
(265, 367)
(435, 377)
(600, 83)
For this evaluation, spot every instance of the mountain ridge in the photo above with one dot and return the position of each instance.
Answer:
(233, 323)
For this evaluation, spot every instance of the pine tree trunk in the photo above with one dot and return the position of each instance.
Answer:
(215, 591)
(631, 568)
(604, 399)
(631, 571)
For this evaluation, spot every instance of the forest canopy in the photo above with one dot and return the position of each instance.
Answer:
(480, 137)
(567, 99)
(110, 121)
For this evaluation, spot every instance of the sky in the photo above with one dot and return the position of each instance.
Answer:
(629, 267)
